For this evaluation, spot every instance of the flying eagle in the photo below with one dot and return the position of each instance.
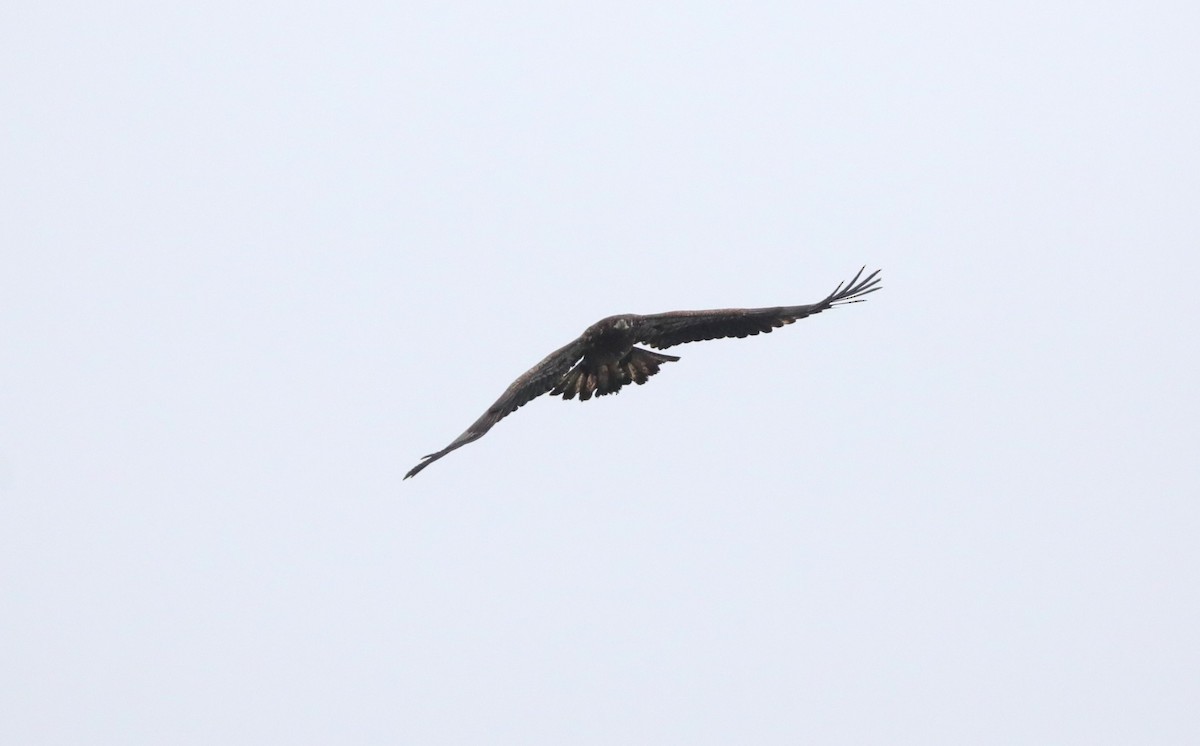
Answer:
(604, 358)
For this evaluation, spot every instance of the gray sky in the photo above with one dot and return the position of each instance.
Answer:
(260, 257)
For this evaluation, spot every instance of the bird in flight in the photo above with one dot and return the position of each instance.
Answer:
(604, 358)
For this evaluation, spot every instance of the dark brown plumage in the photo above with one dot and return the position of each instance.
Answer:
(604, 358)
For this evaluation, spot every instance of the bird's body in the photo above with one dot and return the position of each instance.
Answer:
(605, 357)
(609, 360)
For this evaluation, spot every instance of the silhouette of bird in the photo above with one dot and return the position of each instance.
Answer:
(604, 358)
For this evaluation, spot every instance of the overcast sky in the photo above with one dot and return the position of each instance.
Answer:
(259, 257)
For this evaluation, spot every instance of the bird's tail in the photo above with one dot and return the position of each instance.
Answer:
(588, 378)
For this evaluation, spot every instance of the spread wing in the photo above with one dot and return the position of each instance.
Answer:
(533, 383)
(677, 327)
